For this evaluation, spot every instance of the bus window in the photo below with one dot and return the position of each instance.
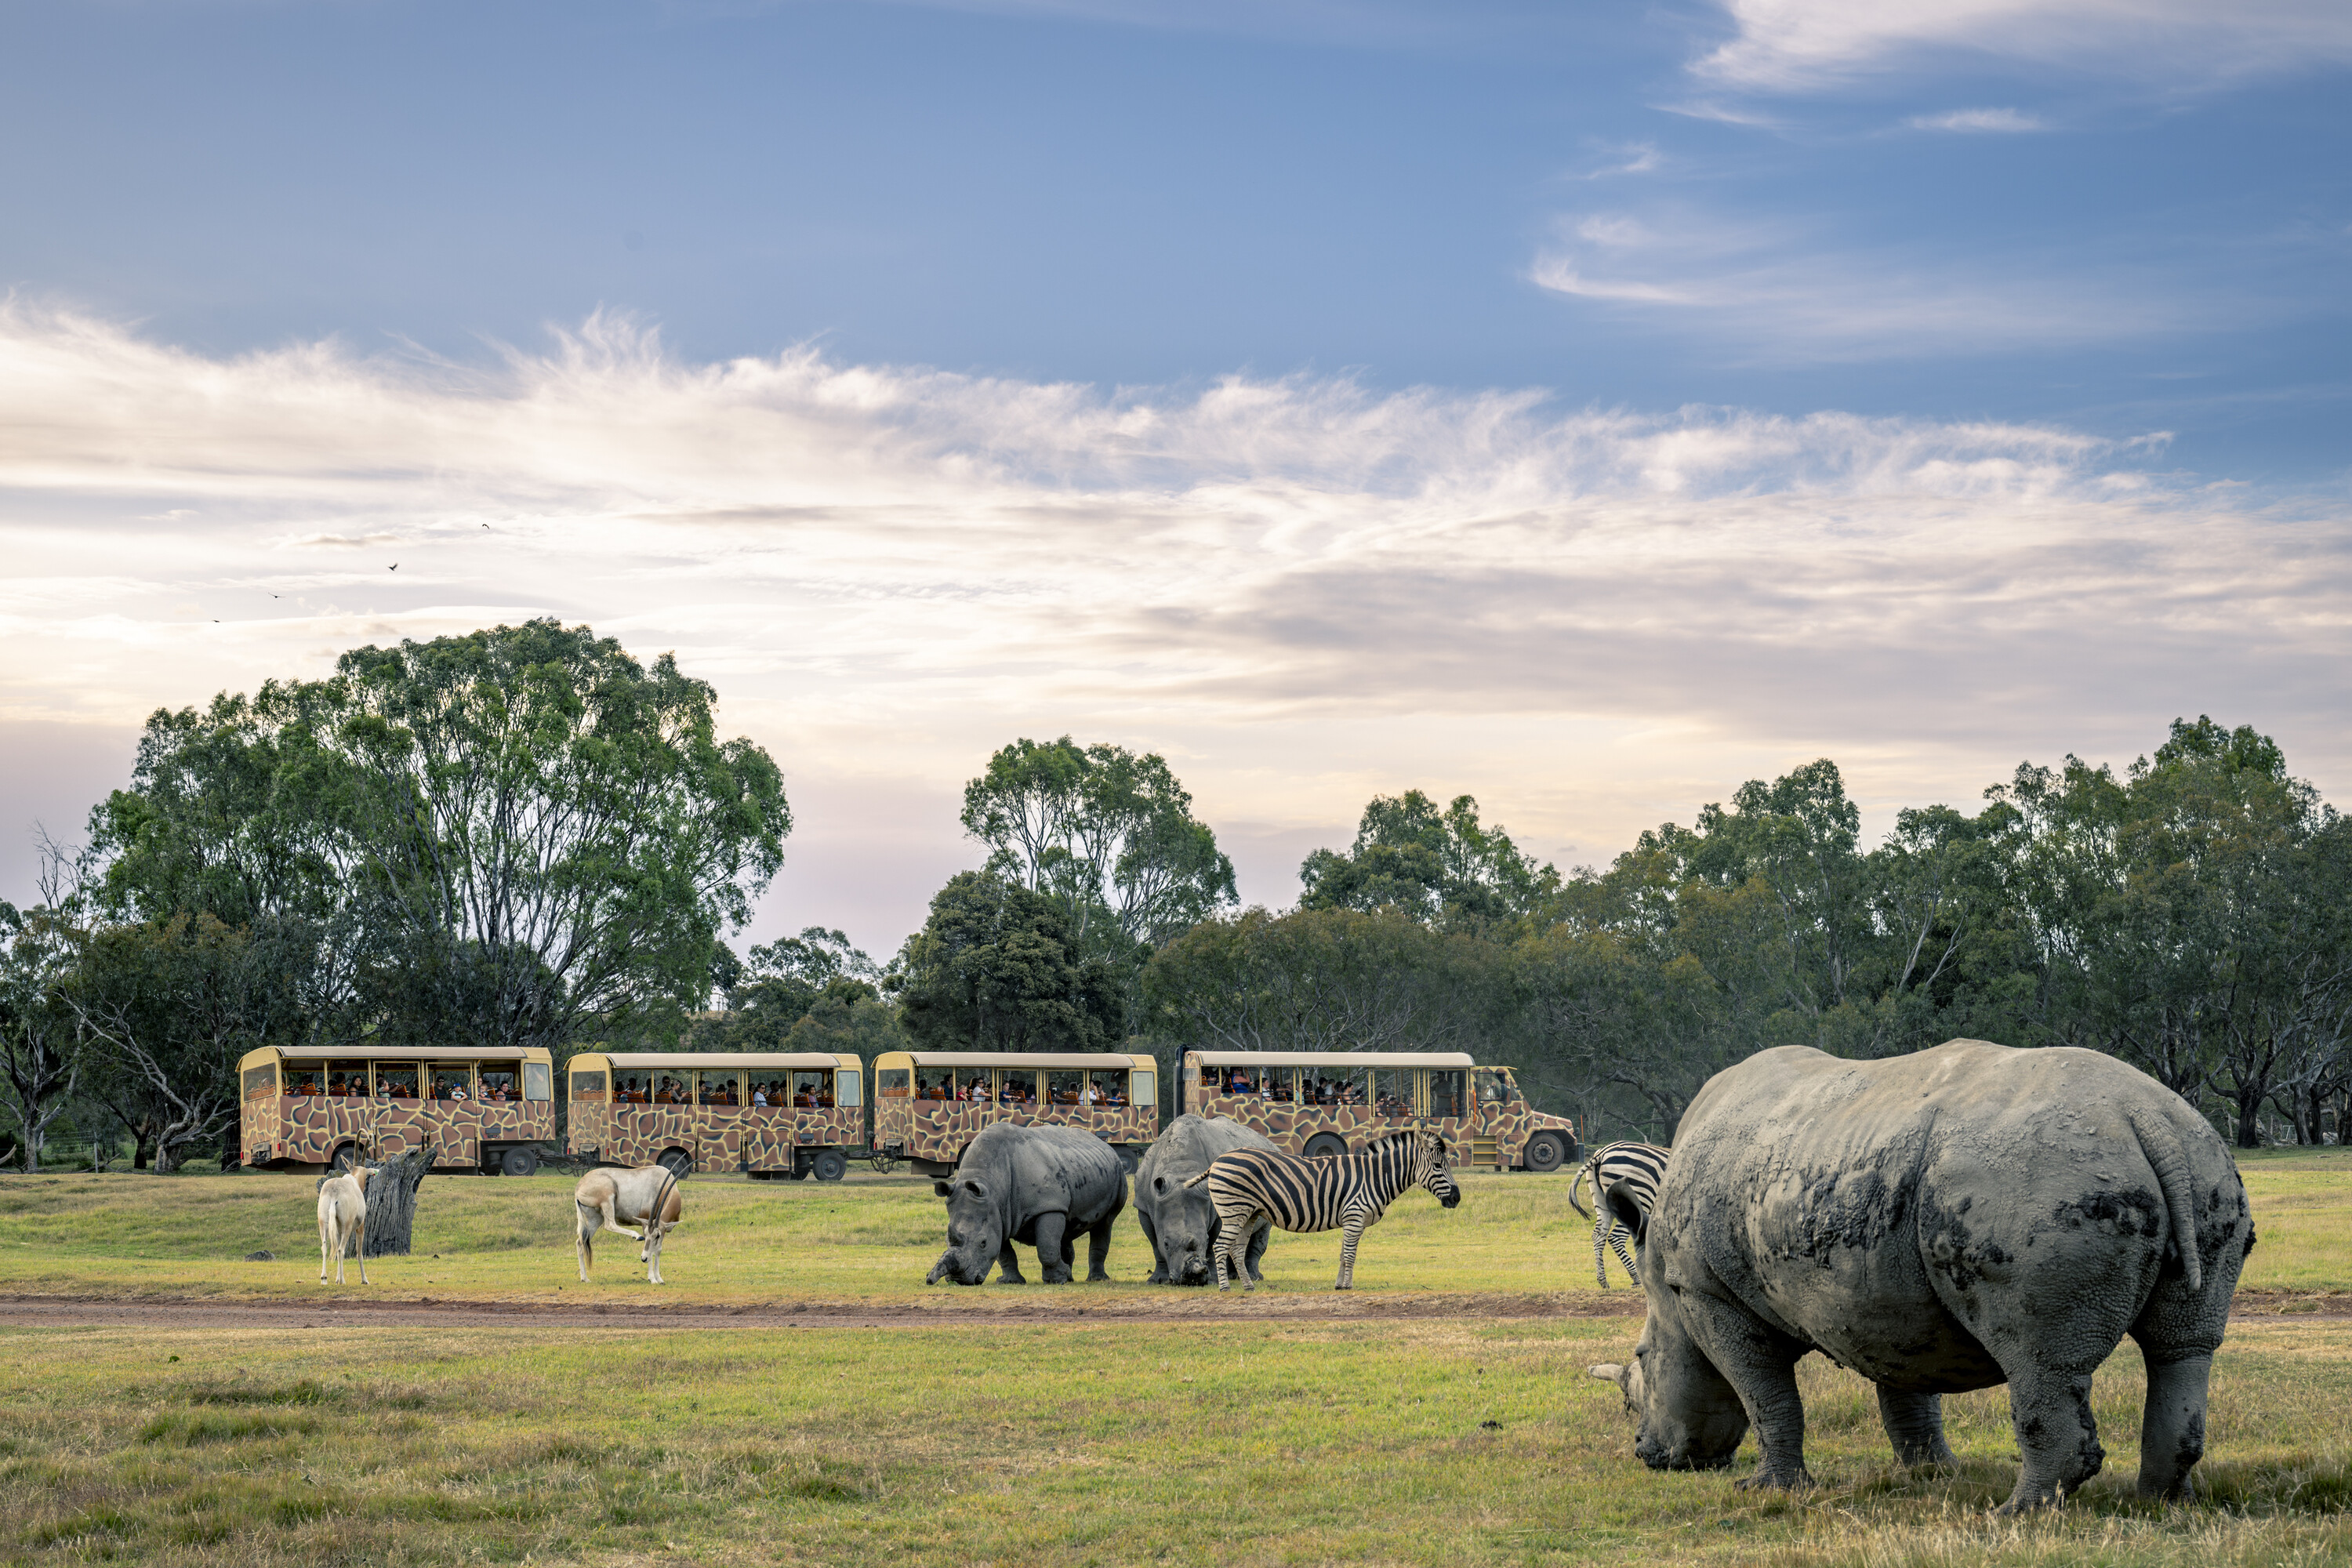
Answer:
(1445, 1093)
(1237, 1078)
(1106, 1086)
(1392, 1091)
(261, 1082)
(305, 1081)
(633, 1089)
(719, 1088)
(671, 1090)
(588, 1086)
(498, 1083)
(1277, 1085)
(1144, 1086)
(973, 1086)
(812, 1090)
(891, 1083)
(395, 1080)
(538, 1081)
(347, 1081)
(1017, 1088)
(849, 1088)
(453, 1083)
(1061, 1086)
(1496, 1088)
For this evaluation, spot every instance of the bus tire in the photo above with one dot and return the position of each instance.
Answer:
(830, 1165)
(1545, 1152)
(677, 1162)
(346, 1156)
(519, 1162)
(1325, 1146)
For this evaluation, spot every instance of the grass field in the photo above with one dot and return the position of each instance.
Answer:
(1242, 1442)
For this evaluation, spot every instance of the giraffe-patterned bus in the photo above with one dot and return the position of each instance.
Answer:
(306, 1108)
(767, 1114)
(1329, 1103)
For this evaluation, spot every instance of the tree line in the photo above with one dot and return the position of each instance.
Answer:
(524, 837)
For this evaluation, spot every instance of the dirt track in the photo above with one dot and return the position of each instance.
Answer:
(949, 1312)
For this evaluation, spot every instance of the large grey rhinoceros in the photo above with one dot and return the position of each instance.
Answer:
(1182, 1225)
(1968, 1216)
(1042, 1186)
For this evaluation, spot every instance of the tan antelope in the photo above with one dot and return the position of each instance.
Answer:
(343, 1221)
(614, 1199)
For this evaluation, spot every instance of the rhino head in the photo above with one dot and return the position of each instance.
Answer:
(1184, 1230)
(975, 1229)
(1691, 1417)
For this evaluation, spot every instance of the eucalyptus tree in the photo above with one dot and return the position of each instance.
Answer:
(41, 1064)
(1432, 863)
(997, 967)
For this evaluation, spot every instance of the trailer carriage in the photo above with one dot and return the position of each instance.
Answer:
(927, 1105)
(306, 1108)
(768, 1114)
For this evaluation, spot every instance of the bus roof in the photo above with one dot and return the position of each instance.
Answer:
(720, 1058)
(1017, 1059)
(404, 1053)
(1333, 1059)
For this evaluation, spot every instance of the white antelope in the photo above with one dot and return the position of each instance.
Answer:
(613, 1200)
(343, 1220)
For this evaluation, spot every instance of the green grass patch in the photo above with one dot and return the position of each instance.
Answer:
(1245, 1443)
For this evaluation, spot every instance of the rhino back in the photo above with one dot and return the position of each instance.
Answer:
(1061, 1170)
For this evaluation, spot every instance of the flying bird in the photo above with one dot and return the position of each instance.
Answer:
(394, 567)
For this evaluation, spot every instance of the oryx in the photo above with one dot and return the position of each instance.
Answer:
(342, 1219)
(614, 1199)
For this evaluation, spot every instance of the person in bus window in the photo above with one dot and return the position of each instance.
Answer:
(669, 1094)
(758, 1094)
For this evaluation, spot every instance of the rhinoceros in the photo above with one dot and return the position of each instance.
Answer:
(1182, 1225)
(1966, 1216)
(1042, 1186)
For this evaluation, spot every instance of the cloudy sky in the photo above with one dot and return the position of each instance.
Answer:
(1584, 406)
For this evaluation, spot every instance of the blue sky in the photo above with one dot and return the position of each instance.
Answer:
(2042, 308)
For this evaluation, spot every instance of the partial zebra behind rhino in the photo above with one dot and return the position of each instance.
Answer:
(1637, 1167)
(1343, 1192)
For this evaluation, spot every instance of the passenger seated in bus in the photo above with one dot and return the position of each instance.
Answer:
(1240, 1083)
(1279, 1092)
(670, 1093)
(758, 1094)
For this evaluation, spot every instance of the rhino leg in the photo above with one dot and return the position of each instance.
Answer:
(2172, 1428)
(1098, 1253)
(1915, 1425)
(1008, 1267)
(2057, 1436)
(1761, 1367)
(1152, 1236)
(1054, 1254)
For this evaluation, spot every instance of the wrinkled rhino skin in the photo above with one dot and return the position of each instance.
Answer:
(1042, 1186)
(1968, 1216)
(1181, 1226)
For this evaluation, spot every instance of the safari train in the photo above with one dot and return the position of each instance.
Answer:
(792, 1116)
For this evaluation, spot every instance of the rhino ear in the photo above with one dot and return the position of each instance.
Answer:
(940, 1187)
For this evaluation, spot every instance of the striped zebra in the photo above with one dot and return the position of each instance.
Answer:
(1638, 1166)
(1345, 1191)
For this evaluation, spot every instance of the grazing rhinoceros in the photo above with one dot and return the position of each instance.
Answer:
(1966, 1216)
(1043, 1186)
(1182, 1225)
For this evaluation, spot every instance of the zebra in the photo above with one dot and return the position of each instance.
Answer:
(1638, 1167)
(1345, 1191)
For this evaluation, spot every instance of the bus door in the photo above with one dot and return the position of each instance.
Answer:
(1499, 1130)
(718, 1120)
(397, 1121)
(1394, 1101)
(1446, 1096)
(451, 1115)
(589, 1124)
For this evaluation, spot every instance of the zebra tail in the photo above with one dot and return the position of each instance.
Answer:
(1196, 1181)
(1577, 1180)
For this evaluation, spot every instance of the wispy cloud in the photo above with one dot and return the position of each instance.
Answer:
(1627, 158)
(1795, 45)
(1300, 588)
(1772, 286)
(1996, 121)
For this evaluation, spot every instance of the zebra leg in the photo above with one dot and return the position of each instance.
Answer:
(1352, 1231)
(1599, 1255)
(1617, 1240)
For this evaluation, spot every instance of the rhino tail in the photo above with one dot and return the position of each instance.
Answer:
(2162, 1146)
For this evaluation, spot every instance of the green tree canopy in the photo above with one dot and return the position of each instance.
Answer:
(1435, 864)
(997, 968)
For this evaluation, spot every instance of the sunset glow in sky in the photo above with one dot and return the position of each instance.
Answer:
(1585, 407)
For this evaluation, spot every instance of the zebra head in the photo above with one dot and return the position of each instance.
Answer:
(1429, 1155)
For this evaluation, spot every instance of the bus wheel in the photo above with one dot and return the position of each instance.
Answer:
(519, 1162)
(1325, 1146)
(1544, 1152)
(677, 1162)
(345, 1157)
(830, 1167)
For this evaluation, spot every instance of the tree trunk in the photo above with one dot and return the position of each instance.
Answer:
(392, 1202)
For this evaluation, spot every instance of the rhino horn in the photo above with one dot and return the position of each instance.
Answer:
(1607, 1372)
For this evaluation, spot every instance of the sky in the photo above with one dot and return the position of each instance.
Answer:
(1584, 407)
